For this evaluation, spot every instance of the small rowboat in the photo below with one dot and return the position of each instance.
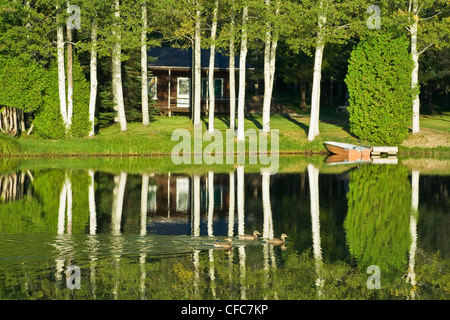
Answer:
(350, 151)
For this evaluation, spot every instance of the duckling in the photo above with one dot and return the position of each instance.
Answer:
(224, 245)
(276, 241)
(249, 237)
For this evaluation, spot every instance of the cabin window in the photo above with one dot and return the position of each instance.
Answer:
(218, 88)
(153, 88)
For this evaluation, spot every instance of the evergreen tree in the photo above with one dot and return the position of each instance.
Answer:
(378, 81)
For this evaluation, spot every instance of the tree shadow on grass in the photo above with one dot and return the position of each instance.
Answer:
(294, 121)
(252, 118)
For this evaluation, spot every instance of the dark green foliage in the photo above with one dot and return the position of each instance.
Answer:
(80, 120)
(48, 120)
(379, 83)
(22, 83)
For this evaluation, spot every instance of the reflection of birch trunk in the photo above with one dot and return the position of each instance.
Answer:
(69, 205)
(93, 242)
(313, 174)
(65, 202)
(196, 260)
(212, 273)
(118, 195)
(144, 202)
(240, 199)
(210, 202)
(231, 206)
(242, 272)
(143, 232)
(411, 278)
(196, 206)
(116, 218)
(268, 222)
(62, 209)
(92, 209)
(268, 250)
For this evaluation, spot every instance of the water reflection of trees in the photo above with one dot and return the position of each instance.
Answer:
(382, 233)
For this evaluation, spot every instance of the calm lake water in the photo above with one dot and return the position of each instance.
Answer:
(367, 231)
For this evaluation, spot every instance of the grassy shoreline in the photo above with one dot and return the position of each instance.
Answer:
(155, 140)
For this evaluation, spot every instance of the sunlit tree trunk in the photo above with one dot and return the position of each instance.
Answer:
(212, 98)
(61, 70)
(270, 50)
(242, 64)
(94, 81)
(69, 76)
(117, 71)
(232, 72)
(317, 76)
(197, 68)
(144, 66)
(415, 73)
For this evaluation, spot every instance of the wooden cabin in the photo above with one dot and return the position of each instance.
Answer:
(170, 84)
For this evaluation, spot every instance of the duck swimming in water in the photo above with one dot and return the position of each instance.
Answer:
(249, 237)
(224, 245)
(276, 241)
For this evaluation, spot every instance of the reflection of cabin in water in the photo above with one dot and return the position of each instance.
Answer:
(170, 198)
(170, 84)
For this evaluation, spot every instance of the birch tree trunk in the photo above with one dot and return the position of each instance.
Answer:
(144, 66)
(117, 71)
(197, 69)
(61, 71)
(270, 50)
(232, 72)
(94, 81)
(242, 63)
(69, 76)
(212, 98)
(415, 73)
(315, 97)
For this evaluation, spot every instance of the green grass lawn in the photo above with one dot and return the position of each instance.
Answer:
(156, 138)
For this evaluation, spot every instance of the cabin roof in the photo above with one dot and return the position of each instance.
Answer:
(168, 57)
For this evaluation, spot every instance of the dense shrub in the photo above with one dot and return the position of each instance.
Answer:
(379, 83)
(49, 122)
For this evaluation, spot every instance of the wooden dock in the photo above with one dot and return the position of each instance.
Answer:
(378, 151)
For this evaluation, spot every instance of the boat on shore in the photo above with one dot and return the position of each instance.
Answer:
(349, 151)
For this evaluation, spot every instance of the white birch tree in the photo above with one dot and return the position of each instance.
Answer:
(69, 74)
(270, 49)
(315, 96)
(93, 76)
(242, 76)
(144, 66)
(211, 95)
(61, 66)
(197, 66)
(117, 70)
(232, 70)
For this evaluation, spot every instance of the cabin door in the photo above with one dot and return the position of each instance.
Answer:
(183, 92)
